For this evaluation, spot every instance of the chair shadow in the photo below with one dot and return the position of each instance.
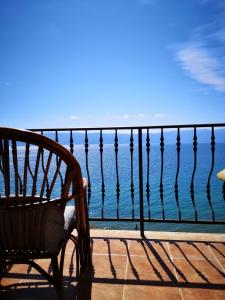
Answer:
(41, 290)
(34, 286)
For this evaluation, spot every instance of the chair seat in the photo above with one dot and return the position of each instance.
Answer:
(27, 225)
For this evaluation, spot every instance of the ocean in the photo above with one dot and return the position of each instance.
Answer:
(203, 167)
(128, 207)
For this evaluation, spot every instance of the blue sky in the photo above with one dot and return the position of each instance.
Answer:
(111, 62)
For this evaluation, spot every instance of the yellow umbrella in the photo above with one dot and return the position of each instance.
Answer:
(221, 175)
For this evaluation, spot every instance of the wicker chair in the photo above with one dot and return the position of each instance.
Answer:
(37, 179)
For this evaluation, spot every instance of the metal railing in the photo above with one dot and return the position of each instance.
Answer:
(144, 165)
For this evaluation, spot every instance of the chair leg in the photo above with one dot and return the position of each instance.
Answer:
(87, 258)
(62, 259)
(2, 268)
(77, 249)
(58, 279)
(77, 260)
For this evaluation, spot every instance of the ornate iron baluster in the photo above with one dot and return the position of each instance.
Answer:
(34, 188)
(208, 189)
(56, 136)
(192, 191)
(26, 159)
(57, 161)
(28, 167)
(87, 168)
(102, 173)
(71, 141)
(15, 164)
(132, 171)
(18, 181)
(42, 162)
(161, 175)
(176, 191)
(56, 173)
(44, 171)
(141, 198)
(117, 175)
(6, 166)
(45, 179)
(148, 172)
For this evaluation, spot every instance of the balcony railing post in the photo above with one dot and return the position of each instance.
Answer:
(140, 162)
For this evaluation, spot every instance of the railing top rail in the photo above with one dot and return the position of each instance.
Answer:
(131, 127)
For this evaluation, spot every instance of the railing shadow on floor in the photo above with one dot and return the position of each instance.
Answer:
(169, 264)
(166, 263)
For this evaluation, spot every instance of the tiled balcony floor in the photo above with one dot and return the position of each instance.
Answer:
(163, 266)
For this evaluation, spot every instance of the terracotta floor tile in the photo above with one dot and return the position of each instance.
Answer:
(106, 267)
(202, 294)
(18, 269)
(70, 247)
(140, 268)
(195, 250)
(70, 265)
(219, 251)
(135, 292)
(7, 281)
(45, 264)
(36, 290)
(150, 248)
(199, 271)
(139, 265)
(106, 291)
(17, 273)
(106, 245)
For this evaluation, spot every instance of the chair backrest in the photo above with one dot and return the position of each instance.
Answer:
(35, 169)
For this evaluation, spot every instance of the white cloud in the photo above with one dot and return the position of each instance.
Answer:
(159, 115)
(122, 116)
(201, 65)
(126, 116)
(202, 57)
(140, 115)
(73, 117)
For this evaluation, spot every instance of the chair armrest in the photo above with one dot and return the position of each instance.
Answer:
(85, 184)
